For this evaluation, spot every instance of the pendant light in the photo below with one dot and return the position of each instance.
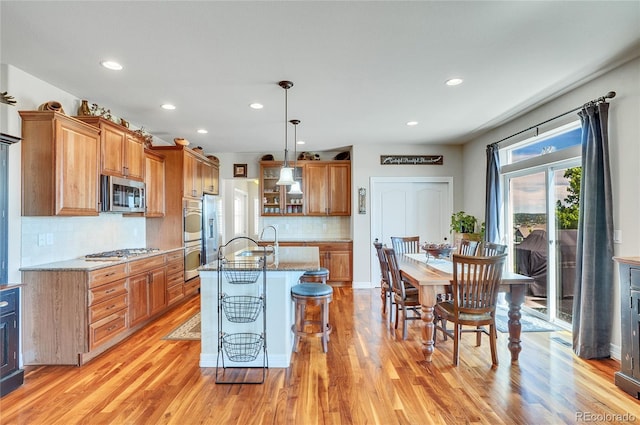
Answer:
(286, 172)
(295, 187)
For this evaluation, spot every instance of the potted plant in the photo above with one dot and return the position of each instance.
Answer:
(463, 226)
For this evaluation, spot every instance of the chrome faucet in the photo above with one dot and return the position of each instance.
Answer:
(275, 242)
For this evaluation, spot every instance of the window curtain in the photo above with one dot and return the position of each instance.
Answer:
(593, 300)
(493, 193)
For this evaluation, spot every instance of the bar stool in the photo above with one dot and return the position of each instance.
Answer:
(304, 294)
(320, 275)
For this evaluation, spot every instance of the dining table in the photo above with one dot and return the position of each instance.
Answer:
(432, 275)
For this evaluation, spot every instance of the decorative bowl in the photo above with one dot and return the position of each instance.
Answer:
(438, 250)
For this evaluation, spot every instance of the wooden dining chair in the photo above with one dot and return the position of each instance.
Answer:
(405, 244)
(405, 296)
(386, 292)
(468, 247)
(489, 249)
(475, 285)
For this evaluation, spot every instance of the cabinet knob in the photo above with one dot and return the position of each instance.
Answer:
(3, 304)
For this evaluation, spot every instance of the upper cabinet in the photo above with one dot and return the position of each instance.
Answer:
(155, 182)
(328, 187)
(192, 180)
(210, 176)
(60, 157)
(122, 151)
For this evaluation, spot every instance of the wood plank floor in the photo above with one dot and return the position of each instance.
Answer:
(368, 377)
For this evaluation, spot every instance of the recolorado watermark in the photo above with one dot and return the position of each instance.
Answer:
(605, 417)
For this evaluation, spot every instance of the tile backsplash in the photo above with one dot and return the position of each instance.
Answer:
(49, 239)
(309, 227)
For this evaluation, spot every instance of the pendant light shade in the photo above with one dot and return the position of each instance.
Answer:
(286, 172)
(295, 186)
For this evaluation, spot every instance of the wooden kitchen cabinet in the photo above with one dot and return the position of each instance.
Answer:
(76, 314)
(336, 256)
(155, 183)
(60, 159)
(210, 177)
(175, 276)
(121, 150)
(192, 181)
(328, 188)
(147, 288)
(276, 200)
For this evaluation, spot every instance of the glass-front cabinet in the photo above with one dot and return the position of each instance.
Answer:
(276, 200)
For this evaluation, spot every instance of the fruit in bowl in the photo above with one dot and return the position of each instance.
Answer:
(438, 250)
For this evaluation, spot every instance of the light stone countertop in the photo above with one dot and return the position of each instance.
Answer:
(81, 264)
(291, 258)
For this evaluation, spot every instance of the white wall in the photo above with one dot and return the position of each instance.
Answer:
(365, 163)
(624, 149)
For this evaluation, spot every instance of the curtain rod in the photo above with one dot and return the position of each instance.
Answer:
(609, 95)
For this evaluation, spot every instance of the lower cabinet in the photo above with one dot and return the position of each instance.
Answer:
(11, 376)
(628, 378)
(337, 257)
(75, 315)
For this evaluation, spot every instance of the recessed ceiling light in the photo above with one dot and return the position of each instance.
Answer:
(454, 81)
(256, 106)
(300, 142)
(168, 106)
(412, 123)
(114, 66)
(202, 131)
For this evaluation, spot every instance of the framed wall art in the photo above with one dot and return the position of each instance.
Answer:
(239, 170)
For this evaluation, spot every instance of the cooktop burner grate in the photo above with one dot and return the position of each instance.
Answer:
(121, 253)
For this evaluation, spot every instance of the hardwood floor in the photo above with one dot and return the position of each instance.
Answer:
(368, 377)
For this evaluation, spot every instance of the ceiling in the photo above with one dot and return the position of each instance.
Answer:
(361, 70)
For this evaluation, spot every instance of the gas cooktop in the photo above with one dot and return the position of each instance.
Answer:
(120, 254)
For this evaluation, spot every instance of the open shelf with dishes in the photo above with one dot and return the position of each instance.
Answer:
(276, 200)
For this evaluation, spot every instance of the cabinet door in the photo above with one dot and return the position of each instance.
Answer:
(271, 192)
(134, 158)
(76, 179)
(113, 144)
(316, 189)
(157, 291)
(155, 181)
(339, 189)
(138, 298)
(339, 266)
(8, 343)
(191, 177)
(210, 178)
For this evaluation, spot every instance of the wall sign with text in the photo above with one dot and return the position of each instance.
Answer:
(411, 159)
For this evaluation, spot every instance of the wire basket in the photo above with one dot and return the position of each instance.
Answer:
(242, 272)
(241, 308)
(242, 347)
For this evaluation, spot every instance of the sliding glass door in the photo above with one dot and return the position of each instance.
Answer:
(542, 193)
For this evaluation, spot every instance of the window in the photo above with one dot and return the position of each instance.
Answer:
(240, 215)
(542, 190)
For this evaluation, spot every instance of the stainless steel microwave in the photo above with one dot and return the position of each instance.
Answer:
(121, 195)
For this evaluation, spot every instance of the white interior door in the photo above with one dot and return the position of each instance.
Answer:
(409, 206)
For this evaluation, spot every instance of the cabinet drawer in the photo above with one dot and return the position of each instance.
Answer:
(175, 255)
(175, 279)
(107, 328)
(146, 264)
(107, 307)
(8, 301)
(104, 292)
(191, 286)
(175, 266)
(108, 274)
(174, 293)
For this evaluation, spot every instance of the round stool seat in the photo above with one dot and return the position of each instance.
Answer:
(319, 275)
(311, 289)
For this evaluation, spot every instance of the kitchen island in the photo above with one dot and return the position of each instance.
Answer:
(280, 277)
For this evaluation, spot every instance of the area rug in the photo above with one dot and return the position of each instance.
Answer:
(189, 330)
(529, 323)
